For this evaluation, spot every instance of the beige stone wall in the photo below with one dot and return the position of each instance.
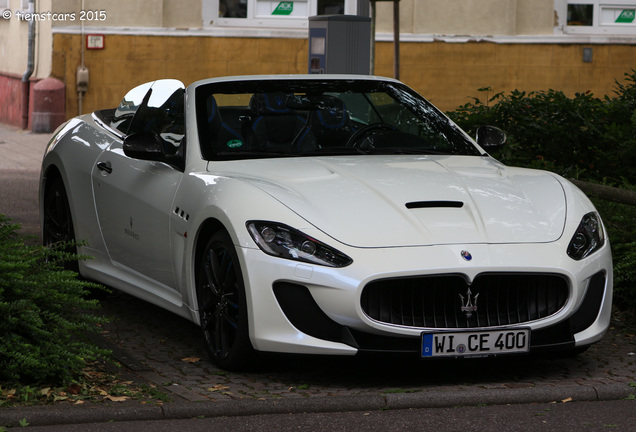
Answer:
(135, 13)
(14, 43)
(469, 17)
(456, 17)
(448, 74)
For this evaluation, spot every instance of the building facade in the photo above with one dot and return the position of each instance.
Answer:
(447, 49)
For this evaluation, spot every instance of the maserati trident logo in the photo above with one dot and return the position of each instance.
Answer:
(466, 255)
(469, 304)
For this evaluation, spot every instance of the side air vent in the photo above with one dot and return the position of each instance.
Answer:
(181, 213)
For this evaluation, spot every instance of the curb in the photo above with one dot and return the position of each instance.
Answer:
(97, 413)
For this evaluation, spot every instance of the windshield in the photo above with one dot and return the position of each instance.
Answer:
(276, 118)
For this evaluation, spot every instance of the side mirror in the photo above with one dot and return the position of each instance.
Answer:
(145, 146)
(490, 137)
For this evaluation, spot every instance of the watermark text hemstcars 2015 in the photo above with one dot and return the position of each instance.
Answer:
(83, 15)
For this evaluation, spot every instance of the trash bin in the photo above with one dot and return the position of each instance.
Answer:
(49, 107)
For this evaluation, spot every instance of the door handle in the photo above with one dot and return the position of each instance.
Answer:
(105, 166)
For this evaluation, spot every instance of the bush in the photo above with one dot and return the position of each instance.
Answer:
(43, 313)
(583, 137)
(620, 221)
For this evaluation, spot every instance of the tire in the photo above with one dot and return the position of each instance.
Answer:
(57, 224)
(222, 305)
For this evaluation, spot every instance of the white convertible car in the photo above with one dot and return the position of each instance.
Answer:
(325, 215)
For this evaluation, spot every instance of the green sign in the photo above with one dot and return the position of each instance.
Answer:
(284, 8)
(627, 16)
(235, 143)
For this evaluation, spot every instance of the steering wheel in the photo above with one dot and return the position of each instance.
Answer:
(355, 139)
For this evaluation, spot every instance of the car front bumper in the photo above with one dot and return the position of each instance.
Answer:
(300, 308)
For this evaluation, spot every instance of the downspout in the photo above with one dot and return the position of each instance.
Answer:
(373, 22)
(29, 69)
(396, 39)
(81, 89)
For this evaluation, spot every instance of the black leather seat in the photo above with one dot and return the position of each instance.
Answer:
(275, 126)
(224, 138)
(329, 126)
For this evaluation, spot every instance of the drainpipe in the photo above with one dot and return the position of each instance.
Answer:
(29, 69)
(81, 88)
(396, 39)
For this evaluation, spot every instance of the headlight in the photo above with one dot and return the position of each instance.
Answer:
(285, 242)
(588, 237)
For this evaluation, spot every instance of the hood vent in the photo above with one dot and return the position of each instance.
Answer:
(434, 204)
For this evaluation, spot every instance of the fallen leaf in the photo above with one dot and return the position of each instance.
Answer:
(190, 359)
(117, 398)
(218, 387)
(567, 400)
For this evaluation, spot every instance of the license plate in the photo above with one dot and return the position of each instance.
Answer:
(475, 344)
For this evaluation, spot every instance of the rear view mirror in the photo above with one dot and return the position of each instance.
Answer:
(490, 137)
(144, 145)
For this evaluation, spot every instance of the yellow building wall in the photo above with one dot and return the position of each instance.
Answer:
(448, 74)
(127, 61)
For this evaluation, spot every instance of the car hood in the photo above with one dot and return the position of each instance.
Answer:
(390, 201)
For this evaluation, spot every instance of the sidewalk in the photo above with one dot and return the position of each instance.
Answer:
(151, 344)
(21, 155)
(21, 150)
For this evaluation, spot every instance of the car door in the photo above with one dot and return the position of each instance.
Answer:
(134, 196)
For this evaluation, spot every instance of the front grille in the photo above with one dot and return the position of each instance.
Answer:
(498, 299)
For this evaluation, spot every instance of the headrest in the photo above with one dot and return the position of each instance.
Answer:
(213, 112)
(332, 112)
(269, 103)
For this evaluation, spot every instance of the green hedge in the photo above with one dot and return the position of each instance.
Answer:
(44, 314)
(583, 137)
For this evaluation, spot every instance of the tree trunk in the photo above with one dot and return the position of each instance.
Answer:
(608, 193)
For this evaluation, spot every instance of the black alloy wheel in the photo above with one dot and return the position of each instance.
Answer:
(222, 305)
(58, 222)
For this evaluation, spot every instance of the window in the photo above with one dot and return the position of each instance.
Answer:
(258, 13)
(601, 17)
(274, 13)
(233, 8)
(331, 7)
